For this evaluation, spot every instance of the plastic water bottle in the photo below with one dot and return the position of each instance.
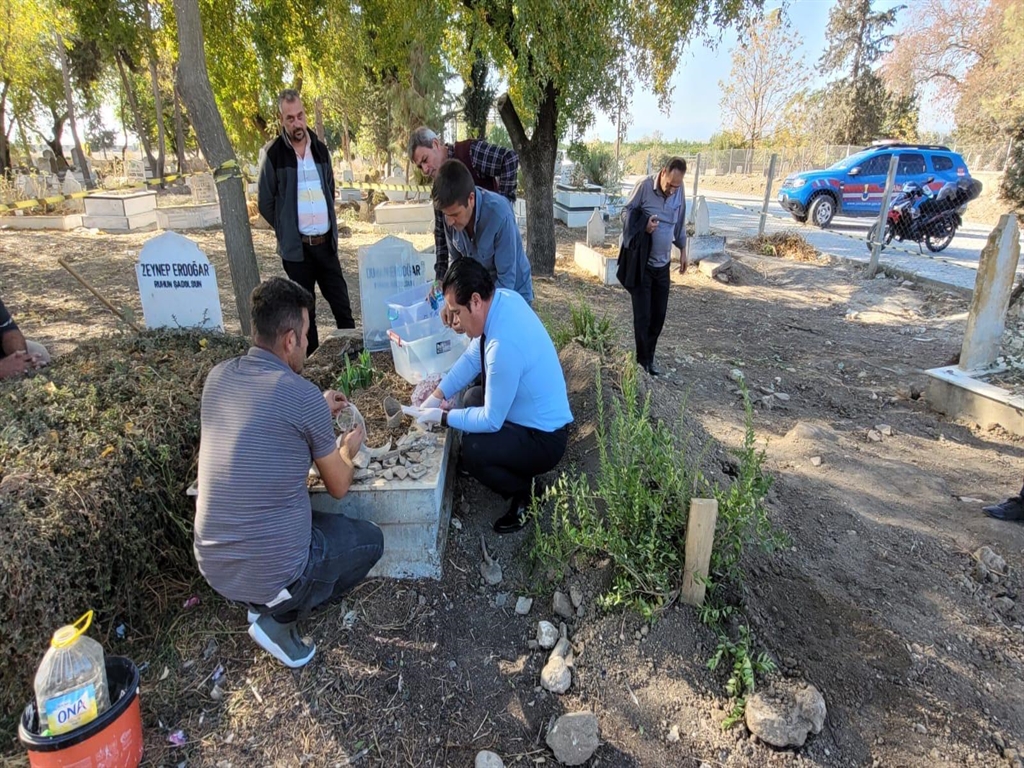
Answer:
(436, 296)
(71, 682)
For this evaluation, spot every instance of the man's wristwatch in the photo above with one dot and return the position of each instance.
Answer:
(444, 419)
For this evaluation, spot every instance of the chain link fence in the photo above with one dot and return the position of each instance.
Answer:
(724, 162)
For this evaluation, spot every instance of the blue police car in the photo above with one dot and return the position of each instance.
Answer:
(855, 185)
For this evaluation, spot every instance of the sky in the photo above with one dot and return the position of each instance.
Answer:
(695, 112)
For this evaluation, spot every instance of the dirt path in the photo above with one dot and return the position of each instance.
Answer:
(876, 601)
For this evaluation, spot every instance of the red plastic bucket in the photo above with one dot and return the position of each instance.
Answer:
(112, 740)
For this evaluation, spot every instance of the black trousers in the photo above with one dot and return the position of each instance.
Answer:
(650, 304)
(320, 265)
(506, 461)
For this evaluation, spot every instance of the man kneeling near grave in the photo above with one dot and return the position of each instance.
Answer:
(18, 355)
(515, 422)
(257, 540)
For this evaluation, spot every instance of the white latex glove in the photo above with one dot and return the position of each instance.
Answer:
(429, 416)
(431, 402)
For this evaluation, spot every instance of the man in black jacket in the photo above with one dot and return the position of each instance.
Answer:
(296, 196)
(659, 207)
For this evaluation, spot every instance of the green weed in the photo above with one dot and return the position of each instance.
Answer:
(357, 376)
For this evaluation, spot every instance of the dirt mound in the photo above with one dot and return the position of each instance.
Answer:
(95, 456)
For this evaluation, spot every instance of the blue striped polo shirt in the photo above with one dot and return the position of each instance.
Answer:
(262, 427)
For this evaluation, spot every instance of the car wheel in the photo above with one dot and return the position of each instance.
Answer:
(822, 210)
(799, 219)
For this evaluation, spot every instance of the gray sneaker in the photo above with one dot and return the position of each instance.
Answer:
(281, 641)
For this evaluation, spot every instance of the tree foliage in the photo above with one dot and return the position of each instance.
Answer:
(856, 106)
(761, 81)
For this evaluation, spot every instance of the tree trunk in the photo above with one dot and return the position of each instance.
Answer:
(537, 160)
(321, 131)
(213, 141)
(79, 153)
(133, 104)
(344, 140)
(5, 147)
(179, 126)
(59, 161)
(158, 100)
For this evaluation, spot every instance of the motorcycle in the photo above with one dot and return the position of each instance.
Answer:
(920, 215)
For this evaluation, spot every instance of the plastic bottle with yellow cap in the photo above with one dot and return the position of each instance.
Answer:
(71, 682)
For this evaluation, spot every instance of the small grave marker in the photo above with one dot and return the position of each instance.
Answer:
(595, 229)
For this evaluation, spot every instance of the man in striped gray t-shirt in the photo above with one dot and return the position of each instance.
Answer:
(257, 540)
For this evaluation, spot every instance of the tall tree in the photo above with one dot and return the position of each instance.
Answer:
(761, 81)
(22, 24)
(65, 69)
(856, 99)
(558, 60)
(213, 141)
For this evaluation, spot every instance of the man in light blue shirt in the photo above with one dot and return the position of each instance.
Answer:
(515, 422)
(481, 225)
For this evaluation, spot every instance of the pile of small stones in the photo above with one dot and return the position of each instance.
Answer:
(407, 461)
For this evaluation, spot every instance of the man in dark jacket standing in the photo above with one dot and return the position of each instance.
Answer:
(296, 196)
(494, 168)
(660, 205)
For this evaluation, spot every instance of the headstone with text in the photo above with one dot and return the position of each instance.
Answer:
(178, 285)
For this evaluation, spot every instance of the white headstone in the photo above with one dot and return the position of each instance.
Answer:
(701, 218)
(997, 268)
(395, 196)
(31, 188)
(178, 285)
(71, 185)
(204, 190)
(595, 229)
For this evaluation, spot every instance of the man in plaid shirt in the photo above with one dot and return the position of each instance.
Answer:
(494, 168)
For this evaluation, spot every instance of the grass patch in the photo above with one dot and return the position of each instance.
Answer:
(584, 327)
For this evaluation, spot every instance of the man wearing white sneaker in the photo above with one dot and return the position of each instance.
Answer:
(257, 540)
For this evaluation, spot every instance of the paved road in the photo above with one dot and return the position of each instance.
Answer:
(846, 238)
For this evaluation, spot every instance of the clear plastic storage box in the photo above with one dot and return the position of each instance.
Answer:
(425, 347)
(411, 306)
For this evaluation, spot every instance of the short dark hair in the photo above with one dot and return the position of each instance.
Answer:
(277, 306)
(465, 277)
(676, 164)
(453, 184)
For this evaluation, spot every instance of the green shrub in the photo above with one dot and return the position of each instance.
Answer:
(357, 376)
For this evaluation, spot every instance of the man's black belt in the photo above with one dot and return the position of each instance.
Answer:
(314, 239)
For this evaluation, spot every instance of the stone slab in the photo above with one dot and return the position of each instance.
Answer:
(413, 515)
(573, 218)
(120, 205)
(712, 266)
(405, 217)
(66, 222)
(572, 198)
(703, 247)
(141, 222)
(597, 264)
(189, 216)
(961, 394)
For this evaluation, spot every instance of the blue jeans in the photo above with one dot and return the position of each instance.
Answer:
(341, 552)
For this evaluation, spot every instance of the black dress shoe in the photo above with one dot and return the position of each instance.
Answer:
(513, 520)
(653, 369)
(1011, 509)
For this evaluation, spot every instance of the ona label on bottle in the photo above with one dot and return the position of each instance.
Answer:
(71, 710)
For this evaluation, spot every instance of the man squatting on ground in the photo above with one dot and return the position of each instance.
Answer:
(515, 422)
(296, 196)
(493, 168)
(658, 204)
(18, 355)
(257, 540)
